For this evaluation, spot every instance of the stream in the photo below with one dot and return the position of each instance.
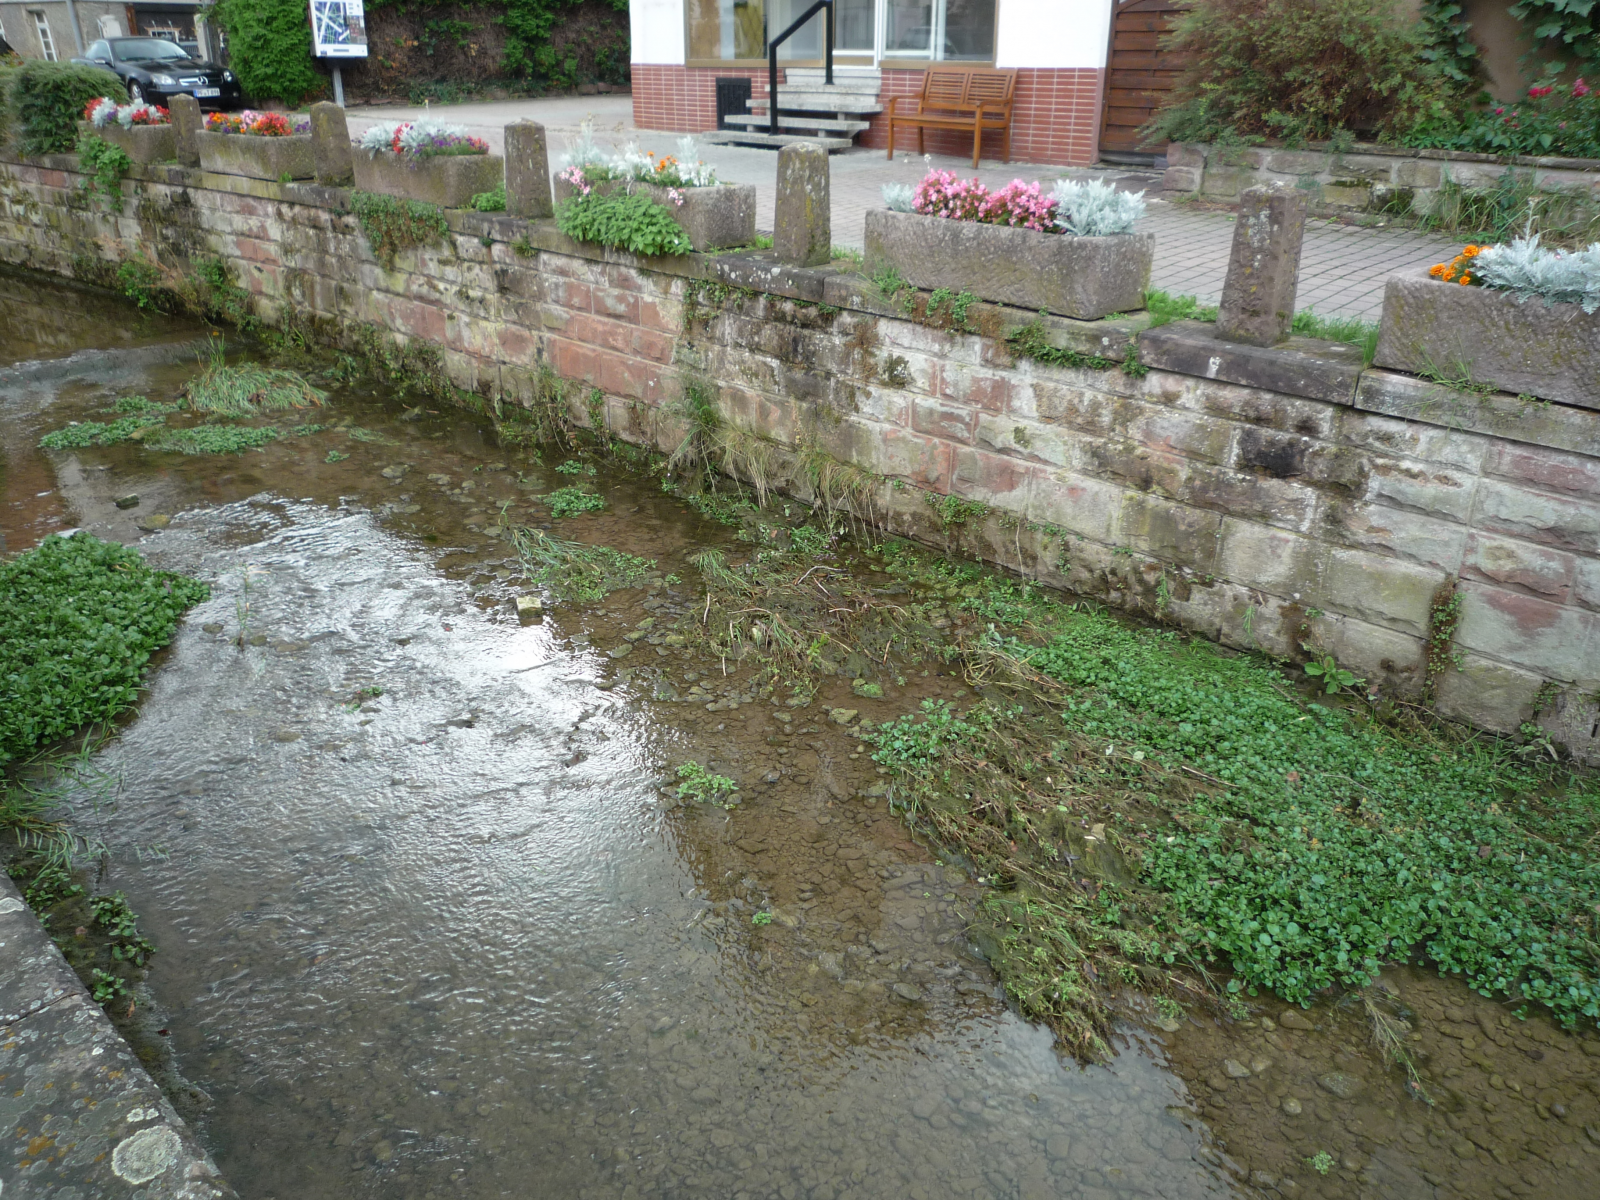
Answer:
(432, 924)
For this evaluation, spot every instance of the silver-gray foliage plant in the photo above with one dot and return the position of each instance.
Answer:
(1095, 209)
(1526, 269)
(898, 196)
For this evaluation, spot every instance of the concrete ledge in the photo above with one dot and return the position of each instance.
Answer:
(1499, 414)
(1299, 367)
(79, 1115)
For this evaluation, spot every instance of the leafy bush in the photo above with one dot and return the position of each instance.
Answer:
(492, 201)
(1296, 69)
(8, 75)
(48, 100)
(1570, 28)
(1561, 120)
(81, 619)
(898, 197)
(269, 45)
(633, 223)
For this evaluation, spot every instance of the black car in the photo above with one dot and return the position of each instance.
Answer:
(155, 70)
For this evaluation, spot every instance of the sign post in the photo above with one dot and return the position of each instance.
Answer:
(338, 31)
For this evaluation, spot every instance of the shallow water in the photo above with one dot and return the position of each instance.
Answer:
(455, 939)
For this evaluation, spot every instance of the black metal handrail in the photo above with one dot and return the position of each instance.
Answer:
(772, 58)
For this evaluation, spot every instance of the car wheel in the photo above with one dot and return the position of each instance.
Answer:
(135, 92)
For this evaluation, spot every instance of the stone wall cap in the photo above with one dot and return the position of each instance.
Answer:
(1301, 366)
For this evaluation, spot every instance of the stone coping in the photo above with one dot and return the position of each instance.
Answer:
(111, 1131)
(1308, 367)
(1380, 150)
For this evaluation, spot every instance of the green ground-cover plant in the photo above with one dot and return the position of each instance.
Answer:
(490, 201)
(572, 502)
(700, 786)
(1302, 846)
(81, 620)
(392, 225)
(213, 439)
(1298, 70)
(634, 223)
(48, 99)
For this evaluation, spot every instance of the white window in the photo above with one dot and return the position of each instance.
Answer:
(47, 44)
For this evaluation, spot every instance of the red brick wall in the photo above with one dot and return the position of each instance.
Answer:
(684, 99)
(1056, 119)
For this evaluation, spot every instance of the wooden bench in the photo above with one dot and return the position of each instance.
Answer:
(975, 98)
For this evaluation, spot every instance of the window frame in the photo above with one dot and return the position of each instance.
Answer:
(47, 37)
(855, 58)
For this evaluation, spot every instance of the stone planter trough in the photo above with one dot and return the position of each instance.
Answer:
(1431, 327)
(141, 143)
(1082, 277)
(450, 181)
(715, 218)
(256, 157)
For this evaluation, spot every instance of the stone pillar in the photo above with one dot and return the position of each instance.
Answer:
(1258, 297)
(184, 113)
(330, 143)
(802, 232)
(527, 171)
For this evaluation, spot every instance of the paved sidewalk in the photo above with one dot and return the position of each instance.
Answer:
(1342, 267)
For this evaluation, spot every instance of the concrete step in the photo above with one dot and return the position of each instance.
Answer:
(856, 79)
(816, 101)
(740, 137)
(800, 121)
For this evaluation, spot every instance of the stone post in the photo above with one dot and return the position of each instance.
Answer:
(184, 113)
(330, 144)
(527, 171)
(802, 232)
(1264, 268)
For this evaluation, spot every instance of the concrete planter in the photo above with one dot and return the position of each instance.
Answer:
(1080, 277)
(1549, 351)
(715, 218)
(141, 143)
(450, 181)
(254, 157)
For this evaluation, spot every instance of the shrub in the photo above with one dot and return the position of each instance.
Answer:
(898, 197)
(1096, 209)
(269, 43)
(1296, 69)
(81, 619)
(1561, 120)
(48, 100)
(490, 201)
(1527, 270)
(633, 223)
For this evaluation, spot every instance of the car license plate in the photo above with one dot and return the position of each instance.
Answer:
(202, 93)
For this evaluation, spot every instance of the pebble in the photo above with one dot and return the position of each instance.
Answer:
(529, 606)
(621, 651)
(907, 991)
(153, 522)
(287, 735)
(1340, 1084)
(1235, 1069)
(1294, 1019)
(1292, 1106)
(843, 716)
(395, 471)
(130, 501)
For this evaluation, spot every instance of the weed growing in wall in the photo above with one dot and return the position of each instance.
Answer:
(106, 165)
(392, 225)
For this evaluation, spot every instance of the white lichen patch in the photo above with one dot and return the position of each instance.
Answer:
(142, 1114)
(10, 905)
(146, 1154)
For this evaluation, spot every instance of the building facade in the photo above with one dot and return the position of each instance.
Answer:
(58, 30)
(1059, 49)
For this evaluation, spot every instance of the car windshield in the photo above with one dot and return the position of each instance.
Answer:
(146, 49)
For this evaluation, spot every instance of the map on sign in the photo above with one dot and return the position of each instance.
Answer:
(339, 28)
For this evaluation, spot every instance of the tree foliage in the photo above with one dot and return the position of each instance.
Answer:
(48, 98)
(269, 43)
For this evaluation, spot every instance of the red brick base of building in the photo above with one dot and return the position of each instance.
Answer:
(1056, 119)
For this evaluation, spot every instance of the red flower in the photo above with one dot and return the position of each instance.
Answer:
(1580, 89)
(1539, 93)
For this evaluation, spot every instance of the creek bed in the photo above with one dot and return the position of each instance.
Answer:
(429, 925)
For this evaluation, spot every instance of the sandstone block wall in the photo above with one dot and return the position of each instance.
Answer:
(1194, 496)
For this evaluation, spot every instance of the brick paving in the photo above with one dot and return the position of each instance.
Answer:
(1342, 268)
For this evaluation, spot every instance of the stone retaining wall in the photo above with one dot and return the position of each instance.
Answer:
(1367, 178)
(1267, 498)
(79, 1115)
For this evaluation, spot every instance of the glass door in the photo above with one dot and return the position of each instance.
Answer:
(855, 25)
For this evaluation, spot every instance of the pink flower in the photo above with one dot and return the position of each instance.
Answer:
(1580, 89)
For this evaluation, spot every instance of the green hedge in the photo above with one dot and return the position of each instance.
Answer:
(47, 100)
(269, 44)
(80, 622)
(8, 75)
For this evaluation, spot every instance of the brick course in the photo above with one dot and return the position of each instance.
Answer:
(1262, 519)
